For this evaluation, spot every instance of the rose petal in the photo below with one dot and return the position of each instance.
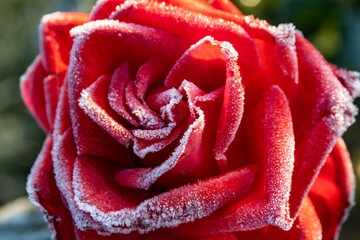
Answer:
(149, 73)
(62, 119)
(55, 40)
(44, 194)
(32, 92)
(103, 9)
(176, 206)
(202, 64)
(93, 102)
(143, 145)
(220, 236)
(307, 226)
(225, 5)
(190, 138)
(162, 16)
(325, 113)
(93, 180)
(333, 191)
(278, 52)
(51, 95)
(201, 6)
(349, 79)
(196, 66)
(148, 118)
(116, 93)
(233, 106)
(198, 162)
(64, 155)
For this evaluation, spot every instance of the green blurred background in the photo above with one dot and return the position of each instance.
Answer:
(333, 26)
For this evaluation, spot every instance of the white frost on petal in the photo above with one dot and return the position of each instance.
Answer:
(99, 116)
(166, 111)
(181, 205)
(197, 125)
(175, 98)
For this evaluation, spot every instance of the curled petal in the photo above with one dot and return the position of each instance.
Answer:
(95, 108)
(210, 64)
(349, 79)
(329, 112)
(307, 226)
(116, 93)
(147, 117)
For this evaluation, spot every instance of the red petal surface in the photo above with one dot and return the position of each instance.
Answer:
(333, 191)
(103, 9)
(51, 95)
(32, 92)
(94, 184)
(151, 72)
(147, 117)
(277, 56)
(322, 115)
(191, 137)
(203, 64)
(198, 160)
(55, 40)
(116, 93)
(173, 207)
(349, 79)
(307, 227)
(44, 194)
(94, 103)
(225, 5)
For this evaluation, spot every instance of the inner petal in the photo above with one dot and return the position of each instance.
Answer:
(116, 93)
(153, 70)
(148, 118)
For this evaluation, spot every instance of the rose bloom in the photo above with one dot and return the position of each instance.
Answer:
(182, 119)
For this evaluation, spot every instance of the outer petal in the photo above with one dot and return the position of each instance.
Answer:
(51, 95)
(333, 191)
(184, 204)
(103, 9)
(44, 194)
(307, 226)
(32, 92)
(322, 113)
(225, 5)
(55, 40)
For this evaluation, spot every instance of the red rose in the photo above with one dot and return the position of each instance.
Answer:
(187, 120)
